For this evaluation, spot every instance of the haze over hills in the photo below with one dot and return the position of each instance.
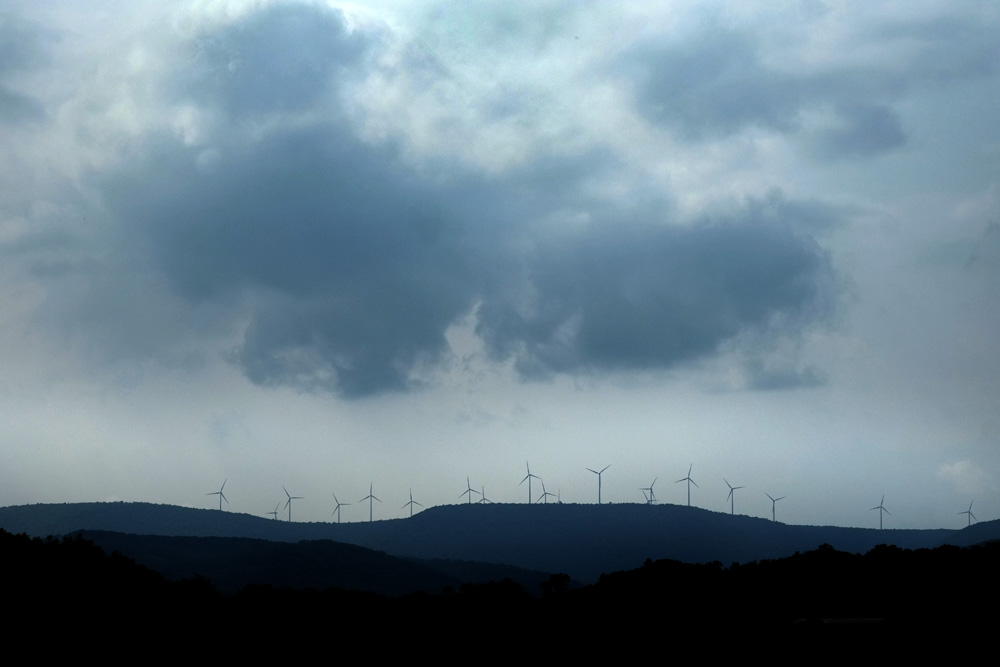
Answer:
(583, 541)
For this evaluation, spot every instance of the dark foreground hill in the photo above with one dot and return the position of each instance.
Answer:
(71, 594)
(583, 541)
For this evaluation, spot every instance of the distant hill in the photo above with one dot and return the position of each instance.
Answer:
(583, 541)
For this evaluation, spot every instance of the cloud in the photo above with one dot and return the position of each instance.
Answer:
(282, 58)
(21, 49)
(715, 85)
(860, 131)
(351, 266)
(838, 92)
(642, 295)
(316, 259)
(764, 377)
(966, 477)
(719, 84)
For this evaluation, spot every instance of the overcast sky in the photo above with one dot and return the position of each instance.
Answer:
(322, 246)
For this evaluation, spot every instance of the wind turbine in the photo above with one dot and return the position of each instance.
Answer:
(544, 498)
(221, 495)
(411, 503)
(732, 495)
(690, 482)
(483, 500)
(969, 513)
(773, 502)
(274, 514)
(599, 473)
(468, 490)
(651, 498)
(288, 503)
(370, 498)
(528, 477)
(336, 510)
(881, 509)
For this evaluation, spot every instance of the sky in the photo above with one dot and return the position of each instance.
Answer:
(391, 245)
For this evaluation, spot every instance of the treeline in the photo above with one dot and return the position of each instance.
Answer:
(74, 585)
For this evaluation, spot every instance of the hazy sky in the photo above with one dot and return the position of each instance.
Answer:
(325, 245)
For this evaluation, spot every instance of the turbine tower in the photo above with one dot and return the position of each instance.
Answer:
(411, 503)
(689, 481)
(483, 500)
(773, 502)
(732, 495)
(882, 509)
(651, 497)
(599, 473)
(370, 498)
(221, 495)
(528, 477)
(288, 503)
(468, 490)
(336, 510)
(970, 514)
(274, 514)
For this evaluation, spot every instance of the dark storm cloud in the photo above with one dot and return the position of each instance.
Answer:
(636, 295)
(720, 81)
(358, 265)
(341, 268)
(283, 58)
(21, 48)
(863, 131)
(15, 107)
(719, 84)
(715, 85)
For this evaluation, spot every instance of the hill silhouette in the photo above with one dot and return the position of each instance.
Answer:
(232, 563)
(808, 601)
(583, 541)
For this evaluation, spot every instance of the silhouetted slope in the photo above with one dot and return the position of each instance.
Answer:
(231, 563)
(70, 590)
(582, 540)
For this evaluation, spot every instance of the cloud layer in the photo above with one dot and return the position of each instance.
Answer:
(340, 266)
(742, 236)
